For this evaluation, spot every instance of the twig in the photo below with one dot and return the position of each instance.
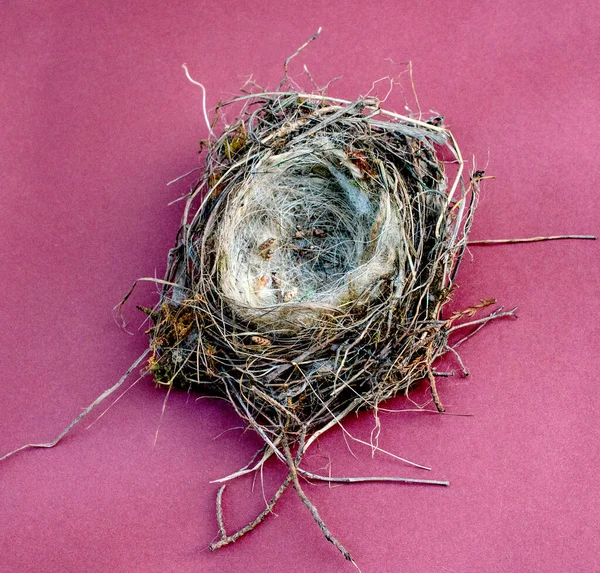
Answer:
(484, 320)
(116, 400)
(434, 392)
(246, 470)
(220, 520)
(227, 539)
(465, 372)
(311, 507)
(84, 413)
(530, 240)
(475, 331)
(318, 477)
(290, 58)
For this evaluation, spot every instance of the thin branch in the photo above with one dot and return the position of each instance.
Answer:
(246, 470)
(225, 539)
(220, 520)
(484, 320)
(290, 58)
(311, 507)
(465, 372)
(84, 413)
(531, 240)
(330, 479)
(434, 392)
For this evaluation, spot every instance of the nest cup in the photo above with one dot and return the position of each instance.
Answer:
(313, 262)
(305, 236)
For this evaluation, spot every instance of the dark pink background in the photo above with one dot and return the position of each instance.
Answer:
(97, 116)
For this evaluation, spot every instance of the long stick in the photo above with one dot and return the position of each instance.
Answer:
(531, 240)
(311, 507)
(310, 475)
(83, 414)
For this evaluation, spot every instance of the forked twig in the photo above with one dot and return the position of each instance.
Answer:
(227, 539)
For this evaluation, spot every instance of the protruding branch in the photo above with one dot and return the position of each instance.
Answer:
(531, 240)
(313, 510)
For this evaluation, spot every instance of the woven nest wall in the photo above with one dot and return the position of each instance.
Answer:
(310, 281)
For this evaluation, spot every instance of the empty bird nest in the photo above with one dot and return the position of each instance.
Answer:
(312, 267)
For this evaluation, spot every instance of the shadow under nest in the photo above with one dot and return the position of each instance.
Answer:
(311, 270)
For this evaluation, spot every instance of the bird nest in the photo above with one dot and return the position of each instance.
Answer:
(310, 280)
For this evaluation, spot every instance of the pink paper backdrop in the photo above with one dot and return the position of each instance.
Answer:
(97, 117)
